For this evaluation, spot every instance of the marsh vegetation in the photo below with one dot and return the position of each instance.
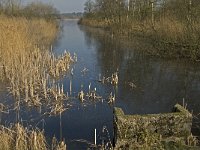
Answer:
(32, 72)
(37, 77)
(30, 69)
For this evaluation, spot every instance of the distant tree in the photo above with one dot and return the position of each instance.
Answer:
(39, 9)
(10, 7)
(89, 6)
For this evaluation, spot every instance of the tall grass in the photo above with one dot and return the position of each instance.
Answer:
(19, 138)
(20, 39)
(30, 70)
(26, 63)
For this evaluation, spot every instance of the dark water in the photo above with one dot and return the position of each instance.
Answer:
(160, 84)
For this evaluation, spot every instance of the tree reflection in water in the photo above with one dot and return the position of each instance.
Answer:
(159, 84)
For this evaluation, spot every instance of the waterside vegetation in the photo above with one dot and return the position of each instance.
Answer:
(30, 70)
(17, 137)
(15, 8)
(171, 26)
(32, 73)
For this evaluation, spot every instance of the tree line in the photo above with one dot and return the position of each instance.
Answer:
(115, 10)
(33, 9)
(173, 26)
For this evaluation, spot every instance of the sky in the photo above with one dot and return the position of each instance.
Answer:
(64, 6)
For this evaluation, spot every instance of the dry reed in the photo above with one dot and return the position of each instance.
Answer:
(27, 64)
(19, 138)
(31, 71)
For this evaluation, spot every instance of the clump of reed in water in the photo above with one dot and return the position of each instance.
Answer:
(113, 79)
(61, 65)
(32, 83)
(56, 145)
(90, 95)
(57, 97)
(20, 138)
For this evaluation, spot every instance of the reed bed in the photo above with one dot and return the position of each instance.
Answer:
(31, 71)
(27, 65)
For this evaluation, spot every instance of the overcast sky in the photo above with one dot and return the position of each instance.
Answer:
(63, 5)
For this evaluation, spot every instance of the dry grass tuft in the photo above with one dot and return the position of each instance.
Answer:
(19, 138)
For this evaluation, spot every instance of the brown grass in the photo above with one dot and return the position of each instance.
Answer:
(19, 138)
(31, 70)
(98, 23)
(169, 36)
(26, 62)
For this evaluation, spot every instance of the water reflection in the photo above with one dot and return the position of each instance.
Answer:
(159, 84)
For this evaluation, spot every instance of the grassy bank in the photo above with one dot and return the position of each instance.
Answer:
(169, 38)
(171, 27)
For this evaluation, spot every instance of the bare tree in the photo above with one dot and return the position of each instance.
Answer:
(89, 6)
(39, 9)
